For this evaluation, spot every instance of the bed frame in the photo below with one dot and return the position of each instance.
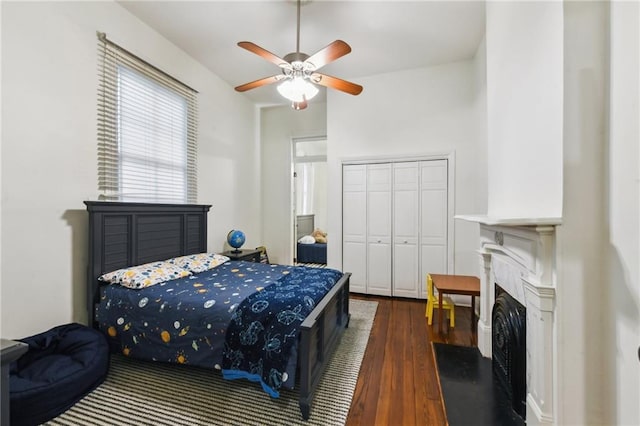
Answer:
(126, 234)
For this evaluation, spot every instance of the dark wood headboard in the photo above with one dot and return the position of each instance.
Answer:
(127, 234)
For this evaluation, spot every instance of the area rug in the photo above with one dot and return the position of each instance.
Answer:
(312, 265)
(143, 393)
(471, 395)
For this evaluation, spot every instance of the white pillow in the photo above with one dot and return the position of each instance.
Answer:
(307, 239)
(199, 262)
(146, 275)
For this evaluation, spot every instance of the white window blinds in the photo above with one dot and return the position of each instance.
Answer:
(147, 129)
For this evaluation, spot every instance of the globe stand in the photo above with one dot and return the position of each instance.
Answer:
(236, 251)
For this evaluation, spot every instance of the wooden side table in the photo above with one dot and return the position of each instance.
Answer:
(248, 255)
(456, 284)
(10, 350)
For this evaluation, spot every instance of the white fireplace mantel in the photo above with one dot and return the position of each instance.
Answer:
(518, 254)
(511, 221)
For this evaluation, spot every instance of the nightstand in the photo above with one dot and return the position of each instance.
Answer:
(10, 351)
(248, 255)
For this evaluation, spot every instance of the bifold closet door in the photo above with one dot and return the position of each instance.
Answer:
(433, 218)
(379, 229)
(395, 219)
(354, 225)
(406, 282)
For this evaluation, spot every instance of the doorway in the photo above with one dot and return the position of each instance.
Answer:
(309, 193)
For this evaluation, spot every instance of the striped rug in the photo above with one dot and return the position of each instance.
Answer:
(144, 393)
(312, 265)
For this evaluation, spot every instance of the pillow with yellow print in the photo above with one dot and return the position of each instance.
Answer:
(145, 275)
(199, 262)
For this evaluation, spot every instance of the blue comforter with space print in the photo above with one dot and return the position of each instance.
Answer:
(265, 327)
(242, 317)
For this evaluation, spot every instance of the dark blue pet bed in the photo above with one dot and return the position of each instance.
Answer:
(61, 366)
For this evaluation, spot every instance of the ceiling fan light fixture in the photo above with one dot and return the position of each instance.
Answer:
(297, 89)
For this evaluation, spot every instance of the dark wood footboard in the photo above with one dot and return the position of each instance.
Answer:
(319, 335)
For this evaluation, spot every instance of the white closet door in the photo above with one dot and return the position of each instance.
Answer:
(433, 218)
(354, 225)
(379, 229)
(406, 282)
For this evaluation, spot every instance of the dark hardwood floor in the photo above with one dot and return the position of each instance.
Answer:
(398, 384)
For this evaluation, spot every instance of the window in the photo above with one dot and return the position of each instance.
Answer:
(147, 126)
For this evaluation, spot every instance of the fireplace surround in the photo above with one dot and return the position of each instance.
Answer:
(518, 255)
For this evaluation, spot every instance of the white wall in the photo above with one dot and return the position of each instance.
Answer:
(49, 155)
(480, 107)
(467, 256)
(622, 285)
(279, 125)
(409, 113)
(581, 283)
(599, 280)
(524, 86)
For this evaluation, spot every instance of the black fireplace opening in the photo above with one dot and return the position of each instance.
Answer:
(509, 347)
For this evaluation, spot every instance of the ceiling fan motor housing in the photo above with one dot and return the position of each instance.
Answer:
(296, 57)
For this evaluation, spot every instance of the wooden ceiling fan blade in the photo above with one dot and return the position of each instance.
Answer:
(254, 48)
(261, 82)
(328, 54)
(336, 83)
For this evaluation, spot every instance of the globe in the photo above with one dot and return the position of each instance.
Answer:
(236, 239)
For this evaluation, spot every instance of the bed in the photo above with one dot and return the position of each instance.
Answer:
(126, 234)
(312, 253)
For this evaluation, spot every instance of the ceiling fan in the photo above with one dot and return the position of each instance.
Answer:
(299, 71)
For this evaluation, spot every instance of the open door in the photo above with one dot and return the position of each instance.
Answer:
(309, 192)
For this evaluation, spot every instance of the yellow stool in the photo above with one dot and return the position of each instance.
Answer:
(433, 302)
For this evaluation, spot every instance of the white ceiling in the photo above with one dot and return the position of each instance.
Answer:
(384, 36)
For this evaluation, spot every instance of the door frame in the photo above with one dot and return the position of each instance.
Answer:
(293, 220)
